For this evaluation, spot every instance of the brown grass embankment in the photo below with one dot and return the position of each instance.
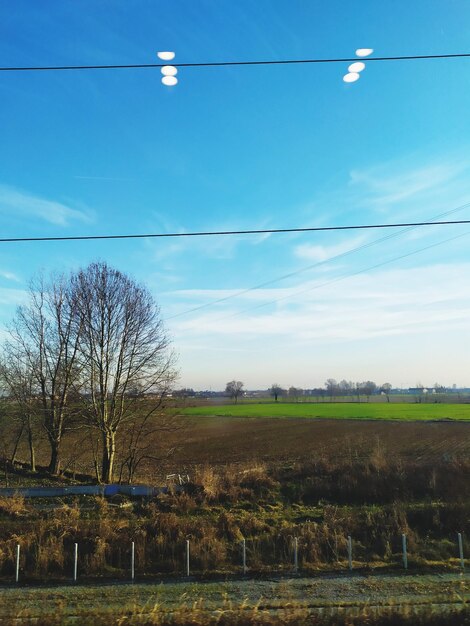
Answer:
(318, 503)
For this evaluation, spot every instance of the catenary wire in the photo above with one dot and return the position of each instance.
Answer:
(311, 266)
(340, 278)
(218, 233)
(133, 66)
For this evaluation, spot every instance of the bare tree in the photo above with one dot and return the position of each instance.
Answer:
(126, 364)
(386, 388)
(346, 388)
(234, 388)
(43, 346)
(294, 392)
(332, 388)
(367, 388)
(11, 433)
(276, 390)
(419, 395)
(147, 438)
(18, 385)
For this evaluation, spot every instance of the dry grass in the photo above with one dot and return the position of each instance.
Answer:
(14, 506)
(244, 615)
(320, 503)
(270, 481)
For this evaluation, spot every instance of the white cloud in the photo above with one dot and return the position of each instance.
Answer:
(398, 324)
(323, 253)
(9, 276)
(390, 185)
(403, 302)
(15, 202)
(220, 248)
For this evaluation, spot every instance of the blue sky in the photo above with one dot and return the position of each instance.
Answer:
(251, 147)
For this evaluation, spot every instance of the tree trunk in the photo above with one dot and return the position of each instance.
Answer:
(121, 471)
(109, 452)
(54, 463)
(32, 451)
(17, 443)
(97, 470)
(54, 435)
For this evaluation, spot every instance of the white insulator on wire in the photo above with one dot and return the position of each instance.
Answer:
(169, 81)
(166, 55)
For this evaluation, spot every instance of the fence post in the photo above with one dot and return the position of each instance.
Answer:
(462, 562)
(132, 561)
(350, 553)
(296, 555)
(405, 554)
(17, 571)
(75, 562)
(187, 557)
(244, 556)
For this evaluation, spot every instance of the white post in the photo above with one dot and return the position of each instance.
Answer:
(244, 556)
(187, 557)
(350, 553)
(132, 561)
(462, 562)
(17, 572)
(75, 562)
(296, 555)
(405, 555)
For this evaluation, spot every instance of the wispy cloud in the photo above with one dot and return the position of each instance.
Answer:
(105, 178)
(323, 253)
(9, 276)
(14, 202)
(392, 302)
(390, 185)
(220, 248)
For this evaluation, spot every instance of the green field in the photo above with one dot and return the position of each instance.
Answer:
(338, 410)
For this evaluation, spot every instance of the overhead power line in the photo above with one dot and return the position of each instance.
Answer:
(138, 66)
(340, 278)
(219, 233)
(335, 257)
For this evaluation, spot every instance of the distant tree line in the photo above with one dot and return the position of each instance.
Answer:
(235, 389)
(332, 389)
